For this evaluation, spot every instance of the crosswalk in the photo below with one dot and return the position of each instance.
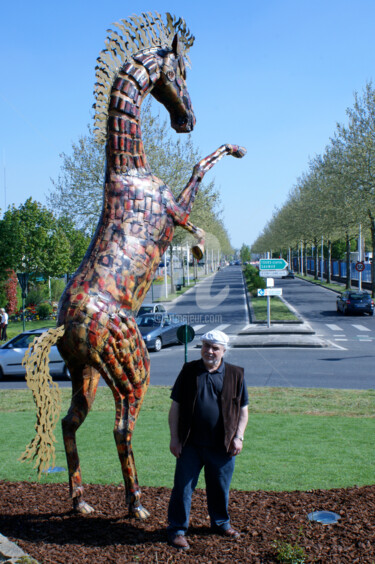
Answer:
(230, 329)
(350, 332)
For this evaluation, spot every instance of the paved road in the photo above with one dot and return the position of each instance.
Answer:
(347, 363)
(318, 306)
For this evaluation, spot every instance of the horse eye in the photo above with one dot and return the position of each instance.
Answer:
(171, 75)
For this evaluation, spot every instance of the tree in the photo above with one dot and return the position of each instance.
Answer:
(32, 241)
(78, 191)
(245, 253)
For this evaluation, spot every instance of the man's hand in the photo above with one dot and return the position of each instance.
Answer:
(236, 446)
(175, 447)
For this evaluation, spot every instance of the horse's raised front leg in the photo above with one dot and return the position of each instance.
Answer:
(186, 198)
(84, 382)
(180, 209)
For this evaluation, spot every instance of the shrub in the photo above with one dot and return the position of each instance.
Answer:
(253, 280)
(44, 311)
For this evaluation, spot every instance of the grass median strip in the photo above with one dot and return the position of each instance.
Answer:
(279, 310)
(296, 439)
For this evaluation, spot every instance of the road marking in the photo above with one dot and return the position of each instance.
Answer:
(197, 327)
(222, 327)
(334, 327)
(341, 339)
(361, 328)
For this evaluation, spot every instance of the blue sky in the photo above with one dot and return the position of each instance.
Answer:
(272, 75)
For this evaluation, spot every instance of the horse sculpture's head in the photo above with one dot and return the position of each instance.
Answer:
(170, 90)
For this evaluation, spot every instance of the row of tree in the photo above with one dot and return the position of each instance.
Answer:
(336, 194)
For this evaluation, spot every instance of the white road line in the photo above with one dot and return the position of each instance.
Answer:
(361, 328)
(334, 327)
(222, 327)
(197, 327)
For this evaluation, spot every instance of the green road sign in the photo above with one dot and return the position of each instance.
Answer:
(185, 334)
(272, 264)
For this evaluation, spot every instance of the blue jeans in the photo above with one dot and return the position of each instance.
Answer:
(218, 471)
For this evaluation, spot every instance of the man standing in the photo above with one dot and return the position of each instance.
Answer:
(4, 325)
(207, 421)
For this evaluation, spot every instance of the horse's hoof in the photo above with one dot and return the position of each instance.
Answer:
(240, 152)
(197, 251)
(138, 512)
(80, 506)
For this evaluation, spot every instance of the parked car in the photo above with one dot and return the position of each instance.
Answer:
(159, 329)
(12, 353)
(288, 274)
(355, 301)
(151, 308)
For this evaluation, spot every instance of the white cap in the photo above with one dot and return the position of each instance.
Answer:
(217, 337)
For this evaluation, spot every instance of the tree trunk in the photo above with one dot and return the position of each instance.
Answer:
(316, 259)
(172, 270)
(329, 262)
(372, 220)
(348, 284)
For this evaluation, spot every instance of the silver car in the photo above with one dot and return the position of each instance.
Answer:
(12, 353)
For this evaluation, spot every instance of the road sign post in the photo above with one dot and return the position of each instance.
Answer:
(268, 292)
(185, 334)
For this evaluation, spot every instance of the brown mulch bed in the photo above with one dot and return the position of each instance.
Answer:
(39, 519)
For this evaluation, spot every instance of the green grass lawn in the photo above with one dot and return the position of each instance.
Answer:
(297, 439)
(332, 286)
(278, 312)
(16, 327)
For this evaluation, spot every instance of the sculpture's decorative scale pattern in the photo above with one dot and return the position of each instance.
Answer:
(98, 334)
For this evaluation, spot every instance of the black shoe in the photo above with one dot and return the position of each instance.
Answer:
(180, 542)
(229, 533)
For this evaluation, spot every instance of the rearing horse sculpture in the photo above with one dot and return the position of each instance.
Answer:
(97, 333)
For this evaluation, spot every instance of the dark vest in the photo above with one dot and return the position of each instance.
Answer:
(230, 399)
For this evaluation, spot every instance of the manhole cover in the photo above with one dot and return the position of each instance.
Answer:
(325, 517)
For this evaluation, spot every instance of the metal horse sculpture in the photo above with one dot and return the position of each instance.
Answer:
(98, 334)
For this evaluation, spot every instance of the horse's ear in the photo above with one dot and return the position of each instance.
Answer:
(176, 46)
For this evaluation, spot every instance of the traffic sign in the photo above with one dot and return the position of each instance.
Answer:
(360, 266)
(273, 273)
(262, 292)
(185, 334)
(272, 264)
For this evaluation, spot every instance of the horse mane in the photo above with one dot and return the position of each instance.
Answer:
(135, 34)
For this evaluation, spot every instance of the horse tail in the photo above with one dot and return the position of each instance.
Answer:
(47, 398)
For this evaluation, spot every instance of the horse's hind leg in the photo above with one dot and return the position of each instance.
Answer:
(85, 382)
(127, 409)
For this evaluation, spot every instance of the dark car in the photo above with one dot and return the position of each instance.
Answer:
(151, 308)
(288, 274)
(355, 301)
(159, 329)
(12, 353)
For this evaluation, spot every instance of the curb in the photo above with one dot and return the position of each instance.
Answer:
(320, 285)
(11, 553)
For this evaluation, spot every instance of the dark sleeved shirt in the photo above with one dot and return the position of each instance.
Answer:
(207, 426)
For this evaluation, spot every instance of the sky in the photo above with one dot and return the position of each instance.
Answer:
(274, 76)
